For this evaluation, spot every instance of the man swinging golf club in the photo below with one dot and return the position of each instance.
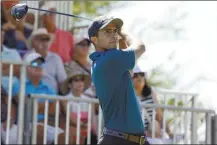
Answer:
(112, 79)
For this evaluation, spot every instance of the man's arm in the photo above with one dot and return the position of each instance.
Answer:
(126, 40)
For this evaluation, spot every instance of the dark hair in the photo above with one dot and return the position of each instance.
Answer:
(146, 91)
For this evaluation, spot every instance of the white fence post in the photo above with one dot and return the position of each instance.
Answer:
(194, 123)
(214, 130)
(21, 104)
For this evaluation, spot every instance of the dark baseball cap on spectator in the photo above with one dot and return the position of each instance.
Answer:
(101, 22)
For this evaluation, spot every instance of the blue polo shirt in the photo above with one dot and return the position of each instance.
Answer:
(42, 88)
(114, 88)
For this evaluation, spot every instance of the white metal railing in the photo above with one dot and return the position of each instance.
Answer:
(23, 66)
(94, 101)
(28, 132)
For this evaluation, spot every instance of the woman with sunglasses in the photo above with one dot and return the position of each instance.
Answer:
(146, 94)
(74, 86)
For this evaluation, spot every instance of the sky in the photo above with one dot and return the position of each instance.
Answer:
(196, 54)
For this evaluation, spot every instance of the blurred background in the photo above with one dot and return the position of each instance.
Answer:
(180, 37)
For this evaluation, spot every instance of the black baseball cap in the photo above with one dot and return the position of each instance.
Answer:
(101, 22)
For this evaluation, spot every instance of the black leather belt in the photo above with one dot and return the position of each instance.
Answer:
(133, 138)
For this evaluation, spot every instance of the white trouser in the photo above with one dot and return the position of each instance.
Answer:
(14, 129)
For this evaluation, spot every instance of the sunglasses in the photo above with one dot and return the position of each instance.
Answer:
(135, 75)
(36, 64)
(77, 79)
(83, 45)
(43, 39)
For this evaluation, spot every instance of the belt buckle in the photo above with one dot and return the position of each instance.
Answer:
(142, 140)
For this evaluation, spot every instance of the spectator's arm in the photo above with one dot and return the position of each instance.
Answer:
(93, 119)
(6, 70)
(61, 73)
(41, 107)
(159, 115)
(21, 45)
(21, 40)
(52, 104)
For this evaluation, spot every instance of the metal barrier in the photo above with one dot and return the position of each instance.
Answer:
(27, 119)
(23, 66)
(35, 97)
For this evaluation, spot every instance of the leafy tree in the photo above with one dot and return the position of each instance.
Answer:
(90, 9)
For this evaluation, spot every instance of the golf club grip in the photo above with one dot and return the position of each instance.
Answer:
(60, 13)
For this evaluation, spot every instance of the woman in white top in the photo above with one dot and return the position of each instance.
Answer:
(146, 94)
(74, 86)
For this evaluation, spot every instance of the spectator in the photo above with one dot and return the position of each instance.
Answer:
(74, 86)
(146, 95)
(15, 36)
(35, 85)
(63, 41)
(8, 55)
(29, 23)
(80, 61)
(54, 72)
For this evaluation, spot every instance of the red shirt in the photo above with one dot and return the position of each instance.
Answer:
(62, 44)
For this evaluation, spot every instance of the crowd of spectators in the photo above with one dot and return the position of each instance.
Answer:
(58, 66)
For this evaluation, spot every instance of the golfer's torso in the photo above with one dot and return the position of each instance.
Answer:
(118, 101)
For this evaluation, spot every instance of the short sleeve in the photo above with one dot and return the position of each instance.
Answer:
(51, 91)
(121, 61)
(16, 88)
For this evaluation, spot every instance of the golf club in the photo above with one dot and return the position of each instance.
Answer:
(19, 11)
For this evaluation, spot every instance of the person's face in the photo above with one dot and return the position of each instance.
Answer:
(35, 70)
(107, 37)
(82, 49)
(30, 18)
(40, 44)
(49, 18)
(77, 84)
(139, 80)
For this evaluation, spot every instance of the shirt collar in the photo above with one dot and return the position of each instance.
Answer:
(96, 55)
(29, 82)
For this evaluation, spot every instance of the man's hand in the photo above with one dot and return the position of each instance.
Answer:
(125, 40)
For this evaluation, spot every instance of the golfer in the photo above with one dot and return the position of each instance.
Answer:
(112, 79)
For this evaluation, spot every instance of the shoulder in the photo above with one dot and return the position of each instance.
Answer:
(47, 88)
(54, 56)
(71, 66)
(63, 32)
(118, 53)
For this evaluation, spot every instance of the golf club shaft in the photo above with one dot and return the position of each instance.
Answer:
(59, 13)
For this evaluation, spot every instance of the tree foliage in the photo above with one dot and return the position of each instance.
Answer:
(90, 7)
